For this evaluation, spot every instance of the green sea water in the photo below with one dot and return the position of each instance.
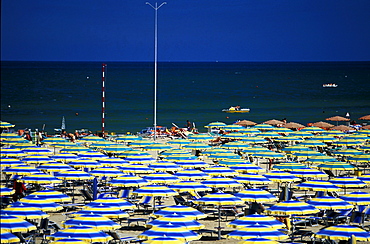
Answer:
(39, 94)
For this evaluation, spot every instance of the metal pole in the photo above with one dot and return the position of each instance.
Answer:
(156, 7)
(103, 100)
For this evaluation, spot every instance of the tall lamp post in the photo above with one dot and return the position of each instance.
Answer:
(156, 7)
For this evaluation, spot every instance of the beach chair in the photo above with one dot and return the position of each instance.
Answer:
(86, 195)
(145, 202)
(179, 200)
(122, 239)
(125, 193)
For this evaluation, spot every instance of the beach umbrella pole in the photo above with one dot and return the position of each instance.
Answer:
(219, 223)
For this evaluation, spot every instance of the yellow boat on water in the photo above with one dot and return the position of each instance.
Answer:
(236, 109)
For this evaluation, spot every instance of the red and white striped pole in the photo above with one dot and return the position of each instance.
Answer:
(103, 100)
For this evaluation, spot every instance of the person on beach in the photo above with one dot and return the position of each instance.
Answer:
(19, 188)
(188, 125)
(27, 135)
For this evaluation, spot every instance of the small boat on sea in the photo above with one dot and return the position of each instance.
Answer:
(329, 85)
(236, 109)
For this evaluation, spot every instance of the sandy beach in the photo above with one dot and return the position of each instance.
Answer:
(133, 229)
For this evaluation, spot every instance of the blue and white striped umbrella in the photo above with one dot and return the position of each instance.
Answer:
(255, 195)
(170, 230)
(95, 221)
(253, 219)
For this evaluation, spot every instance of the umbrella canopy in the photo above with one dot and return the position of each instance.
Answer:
(342, 128)
(84, 233)
(221, 182)
(192, 174)
(200, 137)
(112, 202)
(7, 237)
(128, 181)
(64, 157)
(251, 178)
(165, 166)
(215, 124)
(292, 207)
(51, 195)
(69, 241)
(337, 118)
(54, 167)
(21, 170)
(157, 147)
(197, 146)
(317, 185)
(92, 220)
(5, 191)
(4, 124)
(258, 240)
(106, 172)
(73, 175)
(263, 231)
(281, 176)
(219, 199)
(112, 162)
(10, 223)
(336, 165)
(176, 219)
(40, 178)
(312, 129)
(135, 169)
(161, 178)
(322, 124)
(253, 219)
(84, 163)
(263, 127)
(128, 138)
(37, 202)
(348, 182)
(256, 195)
(155, 191)
(246, 168)
(189, 212)
(164, 240)
(11, 152)
(289, 166)
(10, 162)
(293, 125)
(329, 203)
(24, 212)
(140, 159)
(343, 232)
(357, 198)
(170, 230)
(308, 172)
(103, 210)
(36, 159)
(189, 186)
(220, 171)
(37, 150)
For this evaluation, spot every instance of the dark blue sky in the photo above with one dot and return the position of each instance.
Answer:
(193, 30)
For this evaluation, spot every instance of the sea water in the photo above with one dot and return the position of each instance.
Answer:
(39, 94)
